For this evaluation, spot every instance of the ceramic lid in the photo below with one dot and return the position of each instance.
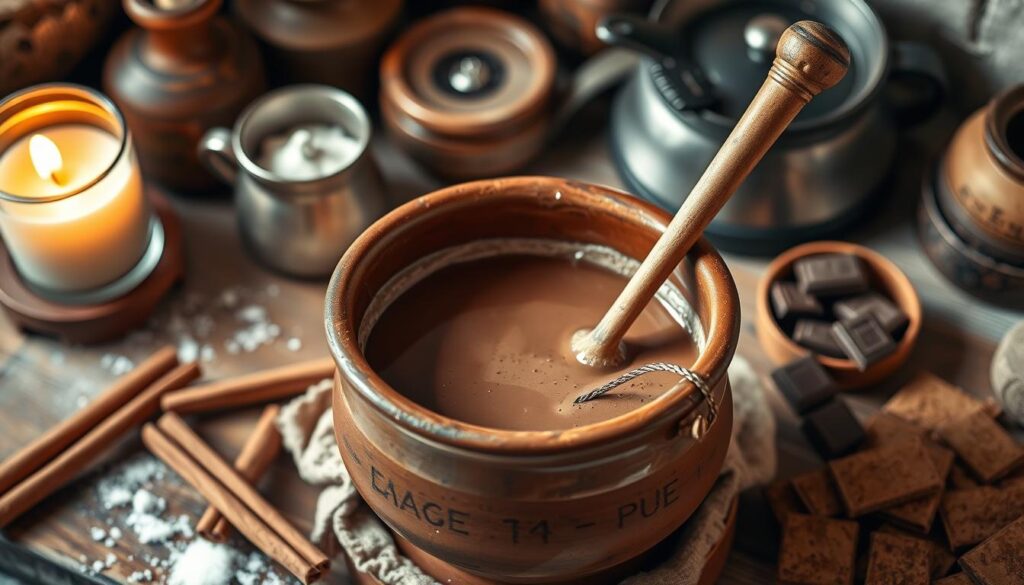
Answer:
(469, 71)
(733, 44)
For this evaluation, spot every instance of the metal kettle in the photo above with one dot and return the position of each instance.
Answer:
(678, 107)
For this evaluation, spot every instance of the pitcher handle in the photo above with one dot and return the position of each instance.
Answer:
(917, 83)
(216, 154)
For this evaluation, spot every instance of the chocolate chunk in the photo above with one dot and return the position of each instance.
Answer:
(883, 477)
(1000, 559)
(830, 275)
(898, 560)
(972, 515)
(958, 579)
(885, 429)
(804, 383)
(960, 478)
(931, 402)
(817, 336)
(919, 514)
(863, 340)
(987, 449)
(817, 550)
(832, 429)
(788, 301)
(783, 500)
(818, 493)
(941, 560)
(889, 316)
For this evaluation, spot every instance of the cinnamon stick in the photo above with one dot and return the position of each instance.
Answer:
(257, 454)
(63, 468)
(265, 386)
(34, 455)
(226, 485)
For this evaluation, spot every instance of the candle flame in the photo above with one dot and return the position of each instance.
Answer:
(45, 157)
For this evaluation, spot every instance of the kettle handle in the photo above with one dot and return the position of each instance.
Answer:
(917, 84)
(681, 82)
(217, 155)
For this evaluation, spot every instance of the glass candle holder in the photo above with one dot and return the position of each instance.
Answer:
(73, 213)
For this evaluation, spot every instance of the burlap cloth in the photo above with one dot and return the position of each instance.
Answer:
(343, 521)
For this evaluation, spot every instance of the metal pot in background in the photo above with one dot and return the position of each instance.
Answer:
(704, 60)
(299, 227)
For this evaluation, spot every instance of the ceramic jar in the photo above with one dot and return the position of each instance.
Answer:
(183, 71)
(983, 172)
(468, 92)
(331, 42)
(529, 506)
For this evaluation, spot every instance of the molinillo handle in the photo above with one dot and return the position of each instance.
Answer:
(810, 58)
(216, 154)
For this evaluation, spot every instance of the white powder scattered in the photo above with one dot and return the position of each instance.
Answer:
(115, 533)
(203, 563)
(97, 533)
(117, 365)
(188, 349)
(141, 576)
(294, 344)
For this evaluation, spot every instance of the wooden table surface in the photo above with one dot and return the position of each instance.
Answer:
(42, 381)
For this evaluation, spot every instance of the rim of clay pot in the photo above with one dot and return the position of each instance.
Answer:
(905, 297)
(1005, 107)
(396, 89)
(716, 292)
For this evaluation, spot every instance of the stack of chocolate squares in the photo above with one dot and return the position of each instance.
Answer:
(933, 452)
(830, 309)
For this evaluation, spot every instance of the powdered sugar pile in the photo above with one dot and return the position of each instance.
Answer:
(207, 563)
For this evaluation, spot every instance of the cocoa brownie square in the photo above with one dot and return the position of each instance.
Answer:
(817, 550)
(898, 560)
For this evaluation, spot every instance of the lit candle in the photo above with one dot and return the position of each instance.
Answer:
(73, 215)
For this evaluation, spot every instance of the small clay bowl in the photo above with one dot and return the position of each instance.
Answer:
(885, 277)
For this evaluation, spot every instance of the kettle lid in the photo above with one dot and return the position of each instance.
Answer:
(733, 44)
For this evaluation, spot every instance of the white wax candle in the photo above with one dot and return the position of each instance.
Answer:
(308, 152)
(88, 239)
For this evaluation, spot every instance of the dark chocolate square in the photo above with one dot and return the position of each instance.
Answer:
(971, 515)
(985, 446)
(1000, 559)
(830, 275)
(889, 316)
(898, 560)
(817, 336)
(882, 477)
(816, 550)
(783, 500)
(818, 493)
(788, 301)
(804, 383)
(832, 429)
(863, 340)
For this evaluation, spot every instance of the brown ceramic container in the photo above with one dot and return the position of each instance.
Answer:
(528, 506)
(332, 42)
(983, 172)
(885, 277)
(573, 22)
(184, 71)
(468, 92)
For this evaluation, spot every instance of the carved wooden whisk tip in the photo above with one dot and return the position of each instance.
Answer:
(811, 57)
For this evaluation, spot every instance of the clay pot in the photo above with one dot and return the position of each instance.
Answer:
(331, 42)
(573, 22)
(468, 92)
(186, 70)
(528, 506)
(885, 277)
(983, 172)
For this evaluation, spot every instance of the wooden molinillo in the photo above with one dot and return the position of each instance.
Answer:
(809, 59)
